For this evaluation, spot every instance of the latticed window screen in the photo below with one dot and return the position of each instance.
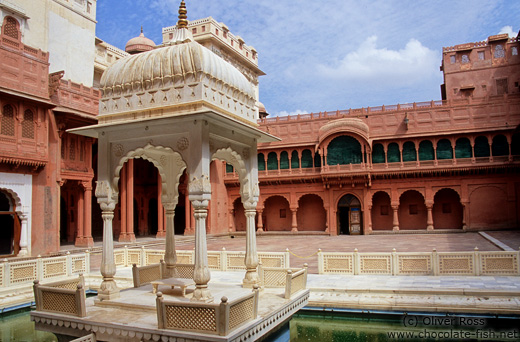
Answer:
(499, 52)
(295, 160)
(393, 154)
(284, 160)
(261, 162)
(463, 148)
(500, 146)
(11, 27)
(317, 160)
(444, 149)
(515, 144)
(344, 150)
(7, 121)
(409, 152)
(378, 154)
(28, 125)
(426, 150)
(272, 161)
(306, 159)
(229, 168)
(481, 147)
(72, 149)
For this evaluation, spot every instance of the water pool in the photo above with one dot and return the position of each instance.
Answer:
(333, 326)
(17, 326)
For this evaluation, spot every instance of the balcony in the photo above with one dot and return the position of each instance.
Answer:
(23, 69)
(361, 171)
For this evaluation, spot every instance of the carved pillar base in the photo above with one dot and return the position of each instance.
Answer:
(108, 289)
(202, 294)
(161, 234)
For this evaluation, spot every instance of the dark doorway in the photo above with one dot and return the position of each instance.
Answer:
(349, 215)
(152, 216)
(9, 226)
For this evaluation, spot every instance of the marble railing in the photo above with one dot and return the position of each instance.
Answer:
(217, 260)
(15, 272)
(474, 263)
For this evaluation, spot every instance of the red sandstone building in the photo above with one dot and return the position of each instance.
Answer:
(428, 166)
(443, 165)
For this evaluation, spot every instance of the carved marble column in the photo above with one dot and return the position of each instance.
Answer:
(23, 235)
(395, 223)
(201, 274)
(105, 196)
(251, 260)
(170, 255)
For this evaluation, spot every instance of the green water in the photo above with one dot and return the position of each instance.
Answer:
(312, 326)
(17, 326)
(318, 326)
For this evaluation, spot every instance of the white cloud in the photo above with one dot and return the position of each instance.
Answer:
(508, 30)
(399, 67)
(294, 112)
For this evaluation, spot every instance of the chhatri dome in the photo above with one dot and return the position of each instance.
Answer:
(163, 81)
(139, 44)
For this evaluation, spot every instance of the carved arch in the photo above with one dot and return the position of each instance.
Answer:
(235, 159)
(457, 190)
(16, 199)
(274, 195)
(169, 163)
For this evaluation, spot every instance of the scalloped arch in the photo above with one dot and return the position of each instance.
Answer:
(16, 199)
(277, 195)
(235, 159)
(378, 191)
(155, 154)
(303, 195)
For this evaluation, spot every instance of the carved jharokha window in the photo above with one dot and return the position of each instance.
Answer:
(28, 125)
(10, 28)
(7, 121)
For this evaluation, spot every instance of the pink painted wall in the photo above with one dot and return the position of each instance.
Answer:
(273, 221)
(412, 221)
(311, 215)
(447, 200)
(488, 207)
(379, 221)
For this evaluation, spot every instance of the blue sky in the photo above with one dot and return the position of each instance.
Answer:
(334, 54)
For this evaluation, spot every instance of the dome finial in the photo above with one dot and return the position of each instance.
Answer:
(141, 28)
(183, 18)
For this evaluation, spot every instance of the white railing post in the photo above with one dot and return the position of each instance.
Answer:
(287, 258)
(435, 262)
(356, 262)
(320, 262)
(477, 262)
(69, 264)
(223, 259)
(395, 265)
(87, 261)
(7, 273)
(144, 259)
(39, 268)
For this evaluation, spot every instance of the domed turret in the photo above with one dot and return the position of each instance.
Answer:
(139, 44)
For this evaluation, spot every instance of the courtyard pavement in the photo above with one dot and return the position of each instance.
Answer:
(303, 248)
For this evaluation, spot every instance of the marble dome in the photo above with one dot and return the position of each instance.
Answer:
(172, 65)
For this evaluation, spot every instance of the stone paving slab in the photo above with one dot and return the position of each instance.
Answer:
(303, 248)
